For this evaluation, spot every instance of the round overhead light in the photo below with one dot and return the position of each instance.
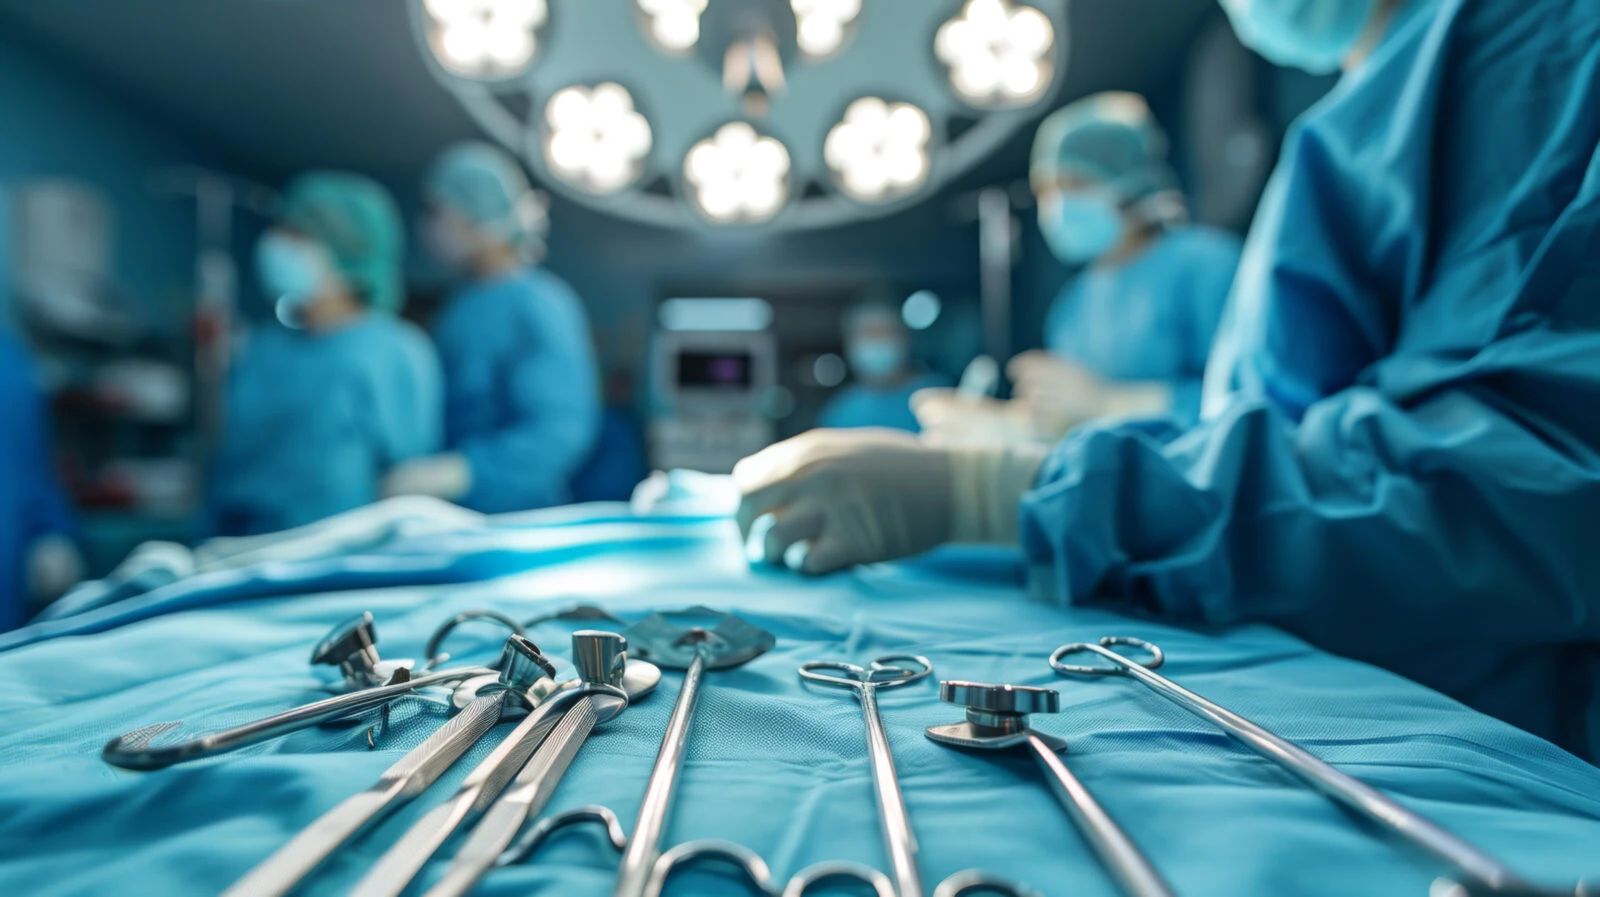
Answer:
(820, 24)
(488, 39)
(879, 151)
(673, 24)
(737, 175)
(998, 53)
(595, 139)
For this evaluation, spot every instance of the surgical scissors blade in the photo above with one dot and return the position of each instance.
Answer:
(885, 672)
(1348, 790)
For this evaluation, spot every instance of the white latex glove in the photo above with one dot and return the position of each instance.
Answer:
(949, 418)
(54, 566)
(1075, 393)
(866, 495)
(447, 476)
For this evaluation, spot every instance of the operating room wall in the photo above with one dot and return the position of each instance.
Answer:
(56, 121)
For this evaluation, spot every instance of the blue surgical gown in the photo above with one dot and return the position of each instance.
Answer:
(31, 502)
(860, 405)
(1151, 318)
(314, 420)
(522, 394)
(1400, 460)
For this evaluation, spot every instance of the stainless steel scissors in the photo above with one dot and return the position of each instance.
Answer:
(1353, 793)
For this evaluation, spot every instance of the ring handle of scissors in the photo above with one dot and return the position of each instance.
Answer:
(884, 672)
(435, 641)
(1121, 662)
(977, 881)
(548, 827)
(752, 867)
(837, 871)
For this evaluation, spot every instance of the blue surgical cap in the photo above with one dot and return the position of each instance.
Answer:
(359, 224)
(487, 187)
(1108, 138)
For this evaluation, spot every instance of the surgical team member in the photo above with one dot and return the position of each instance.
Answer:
(1400, 452)
(321, 405)
(522, 407)
(877, 345)
(1131, 332)
(38, 558)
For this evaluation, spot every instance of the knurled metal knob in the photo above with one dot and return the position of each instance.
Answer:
(1017, 699)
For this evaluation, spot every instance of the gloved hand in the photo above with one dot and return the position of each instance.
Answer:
(54, 566)
(446, 476)
(866, 495)
(1075, 393)
(951, 418)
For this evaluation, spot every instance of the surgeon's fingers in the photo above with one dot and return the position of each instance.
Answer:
(800, 523)
(932, 407)
(828, 553)
(765, 500)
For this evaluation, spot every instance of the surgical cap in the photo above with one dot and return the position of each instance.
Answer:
(485, 185)
(359, 224)
(1110, 139)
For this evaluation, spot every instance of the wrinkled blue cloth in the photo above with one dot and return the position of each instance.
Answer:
(1151, 318)
(773, 765)
(31, 501)
(1407, 468)
(859, 405)
(314, 420)
(522, 399)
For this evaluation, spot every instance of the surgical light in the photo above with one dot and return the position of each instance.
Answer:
(673, 24)
(998, 53)
(879, 150)
(737, 175)
(820, 24)
(596, 140)
(485, 38)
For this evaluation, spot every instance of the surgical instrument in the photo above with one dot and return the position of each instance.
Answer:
(885, 672)
(350, 648)
(997, 719)
(600, 657)
(890, 671)
(680, 640)
(525, 675)
(1353, 793)
(401, 863)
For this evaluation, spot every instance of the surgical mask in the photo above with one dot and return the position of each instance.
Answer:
(1081, 226)
(876, 358)
(1314, 35)
(292, 271)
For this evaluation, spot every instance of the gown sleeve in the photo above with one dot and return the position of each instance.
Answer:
(1411, 462)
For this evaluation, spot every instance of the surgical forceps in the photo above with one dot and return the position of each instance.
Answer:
(401, 863)
(997, 719)
(1353, 793)
(524, 679)
(890, 671)
(599, 657)
(351, 648)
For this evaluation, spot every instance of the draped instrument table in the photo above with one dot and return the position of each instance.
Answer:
(771, 765)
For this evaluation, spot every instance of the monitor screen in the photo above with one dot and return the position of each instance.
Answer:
(714, 370)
